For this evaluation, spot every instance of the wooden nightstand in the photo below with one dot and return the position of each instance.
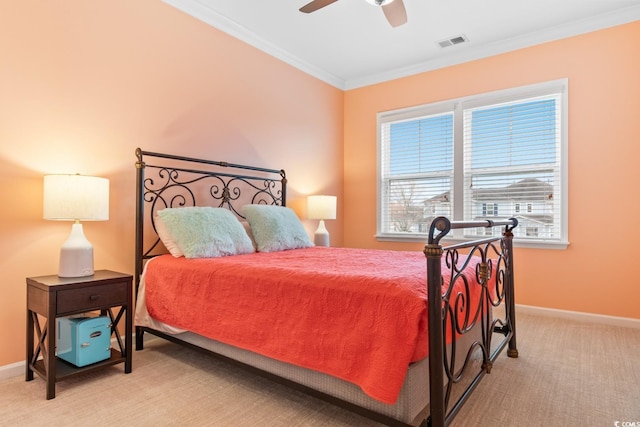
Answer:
(53, 296)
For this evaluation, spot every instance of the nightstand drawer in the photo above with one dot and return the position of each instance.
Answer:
(92, 297)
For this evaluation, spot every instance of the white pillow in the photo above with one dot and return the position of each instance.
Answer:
(166, 238)
(275, 228)
(204, 232)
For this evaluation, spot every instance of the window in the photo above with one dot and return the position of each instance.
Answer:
(489, 156)
(532, 231)
(490, 209)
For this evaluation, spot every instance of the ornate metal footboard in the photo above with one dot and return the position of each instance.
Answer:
(458, 315)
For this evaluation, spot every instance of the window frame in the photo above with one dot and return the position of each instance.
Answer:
(458, 107)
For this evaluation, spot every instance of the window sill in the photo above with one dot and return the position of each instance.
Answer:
(422, 238)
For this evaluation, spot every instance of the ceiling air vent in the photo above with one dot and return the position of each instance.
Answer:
(452, 41)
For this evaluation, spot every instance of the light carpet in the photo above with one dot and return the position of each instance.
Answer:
(569, 373)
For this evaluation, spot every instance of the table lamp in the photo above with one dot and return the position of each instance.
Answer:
(321, 207)
(76, 198)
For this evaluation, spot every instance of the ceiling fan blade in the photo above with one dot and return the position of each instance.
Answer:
(315, 5)
(395, 13)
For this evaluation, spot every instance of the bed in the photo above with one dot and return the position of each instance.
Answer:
(402, 337)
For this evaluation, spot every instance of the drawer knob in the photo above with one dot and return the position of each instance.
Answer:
(94, 297)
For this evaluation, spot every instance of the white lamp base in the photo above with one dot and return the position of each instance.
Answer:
(321, 236)
(76, 254)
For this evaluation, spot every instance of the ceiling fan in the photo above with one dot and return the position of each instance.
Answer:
(393, 10)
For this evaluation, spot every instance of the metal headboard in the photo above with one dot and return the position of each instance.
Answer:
(178, 181)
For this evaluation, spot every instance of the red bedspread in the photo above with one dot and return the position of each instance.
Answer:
(359, 315)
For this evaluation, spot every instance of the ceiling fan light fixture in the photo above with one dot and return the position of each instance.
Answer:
(379, 2)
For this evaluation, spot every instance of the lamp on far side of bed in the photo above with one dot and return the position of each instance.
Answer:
(76, 198)
(321, 207)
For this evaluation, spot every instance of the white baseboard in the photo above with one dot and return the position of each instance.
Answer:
(12, 370)
(602, 319)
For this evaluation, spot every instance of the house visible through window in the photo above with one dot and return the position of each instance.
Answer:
(532, 231)
(490, 209)
(488, 156)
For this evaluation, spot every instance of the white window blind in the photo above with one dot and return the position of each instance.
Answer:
(511, 157)
(490, 156)
(418, 159)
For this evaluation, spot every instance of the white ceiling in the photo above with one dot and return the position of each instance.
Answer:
(349, 43)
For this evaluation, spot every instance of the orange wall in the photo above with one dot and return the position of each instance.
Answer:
(597, 273)
(83, 83)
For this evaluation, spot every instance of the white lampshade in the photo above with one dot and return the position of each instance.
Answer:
(321, 207)
(76, 198)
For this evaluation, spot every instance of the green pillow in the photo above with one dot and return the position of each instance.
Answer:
(275, 228)
(204, 232)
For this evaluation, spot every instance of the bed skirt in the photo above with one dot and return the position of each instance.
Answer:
(410, 405)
